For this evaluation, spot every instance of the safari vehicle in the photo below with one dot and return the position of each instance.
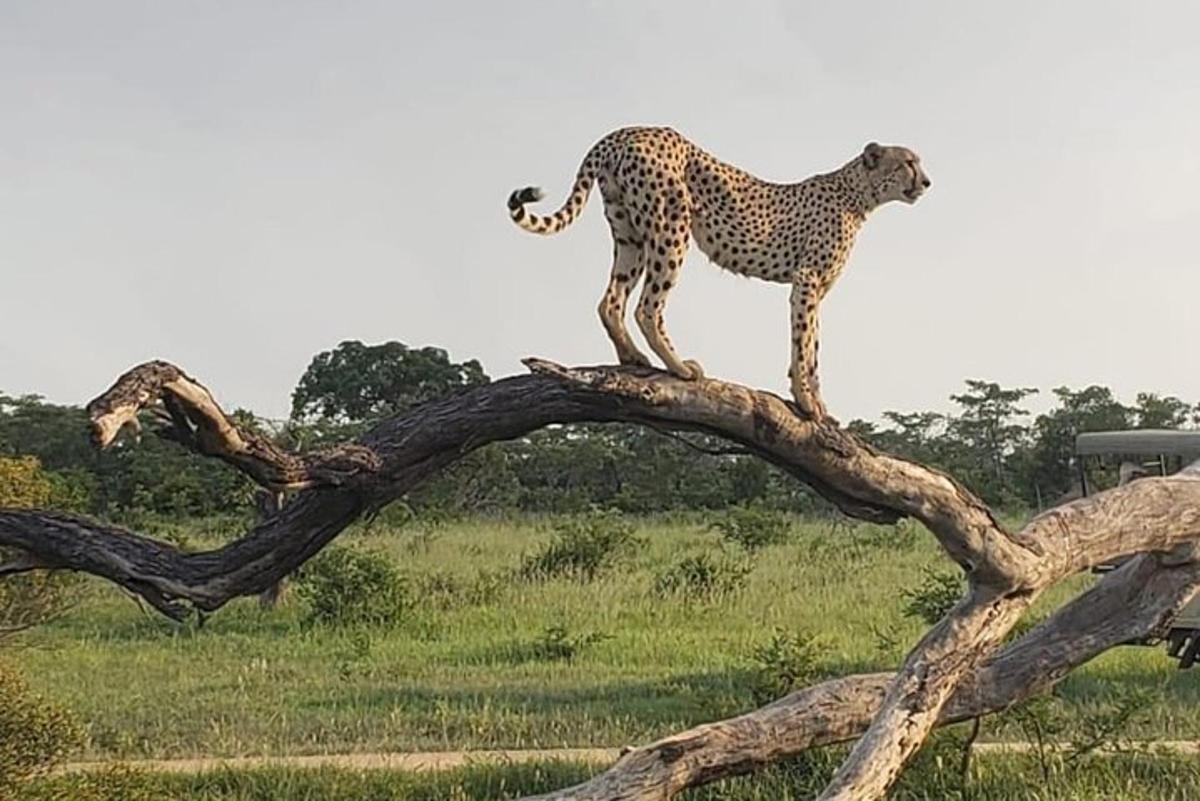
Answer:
(1124, 456)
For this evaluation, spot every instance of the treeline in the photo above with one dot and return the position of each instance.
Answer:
(990, 442)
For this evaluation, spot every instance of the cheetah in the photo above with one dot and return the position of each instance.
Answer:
(659, 188)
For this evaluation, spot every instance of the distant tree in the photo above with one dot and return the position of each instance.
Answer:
(916, 435)
(984, 444)
(157, 476)
(56, 435)
(357, 383)
(1155, 411)
(989, 432)
(1050, 470)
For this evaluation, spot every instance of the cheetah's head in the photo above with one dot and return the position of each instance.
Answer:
(893, 173)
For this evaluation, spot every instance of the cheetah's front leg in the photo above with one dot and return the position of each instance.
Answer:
(803, 372)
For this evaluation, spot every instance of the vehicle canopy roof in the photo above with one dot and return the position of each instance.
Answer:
(1139, 442)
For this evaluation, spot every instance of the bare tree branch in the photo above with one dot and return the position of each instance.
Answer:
(189, 415)
(956, 659)
(1135, 602)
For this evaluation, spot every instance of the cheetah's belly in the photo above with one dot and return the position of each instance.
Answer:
(738, 253)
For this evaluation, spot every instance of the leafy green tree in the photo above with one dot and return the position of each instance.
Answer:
(346, 389)
(56, 435)
(357, 383)
(916, 435)
(151, 475)
(1156, 411)
(1051, 459)
(987, 434)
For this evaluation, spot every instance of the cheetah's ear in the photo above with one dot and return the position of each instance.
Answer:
(872, 153)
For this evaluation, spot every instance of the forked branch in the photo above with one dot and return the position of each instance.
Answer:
(186, 412)
(954, 670)
(1135, 602)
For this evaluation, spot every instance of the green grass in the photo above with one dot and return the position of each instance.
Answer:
(1139, 777)
(460, 675)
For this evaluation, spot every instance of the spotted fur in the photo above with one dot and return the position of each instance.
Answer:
(659, 189)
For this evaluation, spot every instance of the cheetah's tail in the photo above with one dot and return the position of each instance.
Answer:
(566, 214)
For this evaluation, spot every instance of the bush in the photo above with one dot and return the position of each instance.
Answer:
(344, 586)
(703, 577)
(787, 662)
(35, 735)
(32, 598)
(115, 783)
(583, 547)
(23, 484)
(557, 644)
(442, 590)
(936, 596)
(29, 598)
(1061, 737)
(753, 527)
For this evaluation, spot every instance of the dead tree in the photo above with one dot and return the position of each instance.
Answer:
(958, 670)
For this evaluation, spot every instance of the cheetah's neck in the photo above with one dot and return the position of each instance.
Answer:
(852, 185)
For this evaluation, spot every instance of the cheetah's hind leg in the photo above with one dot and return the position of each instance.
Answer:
(662, 258)
(626, 270)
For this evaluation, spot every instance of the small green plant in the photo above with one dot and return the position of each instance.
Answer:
(443, 590)
(422, 541)
(702, 577)
(582, 548)
(936, 596)
(35, 597)
(355, 653)
(753, 527)
(788, 661)
(35, 735)
(346, 586)
(1047, 723)
(113, 783)
(1106, 728)
(558, 644)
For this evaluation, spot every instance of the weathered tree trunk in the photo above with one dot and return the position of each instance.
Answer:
(957, 670)
(268, 502)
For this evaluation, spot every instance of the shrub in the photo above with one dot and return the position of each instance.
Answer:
(583, 547)
(344, 586)
(355, 654)
(753, 527)
(443, 590)
(936, 596)
(32, 598)
(1061, 737)
(35, 735)
(23, 483)
(29, 598)
(557, 644)
(114, 783)
(788, 661)
(703, 577)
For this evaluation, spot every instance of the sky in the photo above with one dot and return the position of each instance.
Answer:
(236, 186)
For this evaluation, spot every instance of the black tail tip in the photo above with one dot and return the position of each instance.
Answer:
(530, 194)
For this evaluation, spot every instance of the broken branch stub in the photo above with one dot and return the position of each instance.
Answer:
(954, 671)
(192, 418)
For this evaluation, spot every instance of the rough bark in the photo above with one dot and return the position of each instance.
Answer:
(954, 670)
(1135, 602)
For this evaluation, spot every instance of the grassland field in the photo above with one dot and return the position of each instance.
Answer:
(476, 662)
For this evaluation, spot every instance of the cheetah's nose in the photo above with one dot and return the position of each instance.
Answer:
(926, 182)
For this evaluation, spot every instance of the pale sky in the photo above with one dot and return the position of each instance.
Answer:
(234, 186)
